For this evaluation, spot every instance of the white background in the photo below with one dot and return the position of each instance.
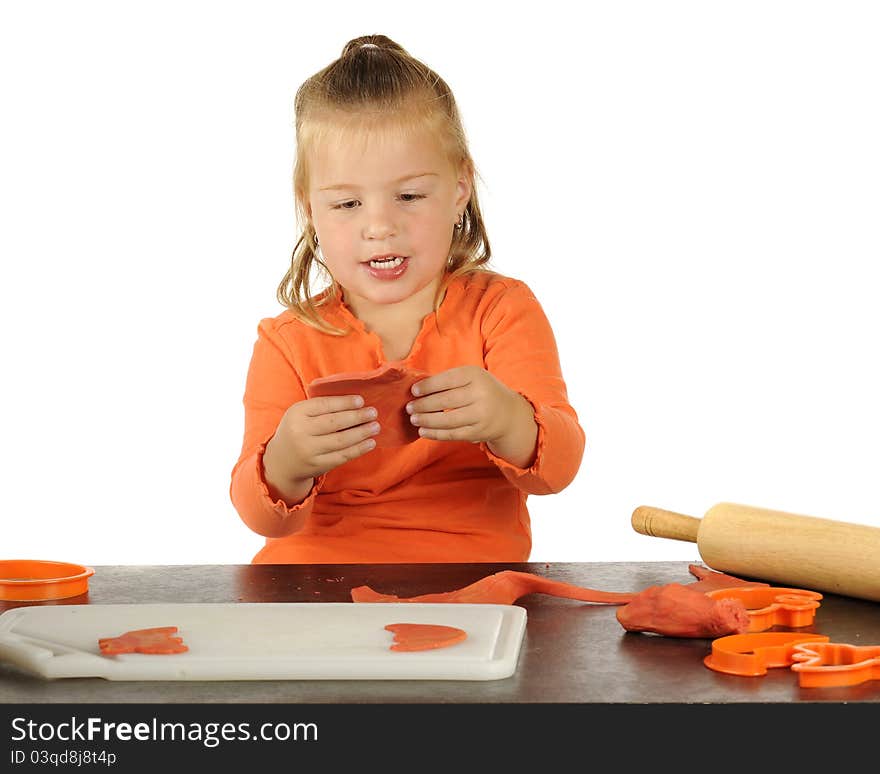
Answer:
(690, 188)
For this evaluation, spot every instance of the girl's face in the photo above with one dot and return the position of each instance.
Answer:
(384, 208)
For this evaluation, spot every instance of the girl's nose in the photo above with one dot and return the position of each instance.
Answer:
(379, 224)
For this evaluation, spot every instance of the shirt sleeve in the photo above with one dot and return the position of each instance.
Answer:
(520, 350)
(272, 386)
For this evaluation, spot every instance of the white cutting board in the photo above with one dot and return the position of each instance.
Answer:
(264, 641)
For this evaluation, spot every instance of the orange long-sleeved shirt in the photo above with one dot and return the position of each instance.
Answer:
(428, 501)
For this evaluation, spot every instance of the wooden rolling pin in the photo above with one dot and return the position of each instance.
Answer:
(776, 547)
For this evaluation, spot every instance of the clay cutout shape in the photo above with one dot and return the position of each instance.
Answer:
(387, 389)
(156, 641)
(414, 637)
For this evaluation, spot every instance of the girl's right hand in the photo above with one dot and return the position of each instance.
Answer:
(314, 436)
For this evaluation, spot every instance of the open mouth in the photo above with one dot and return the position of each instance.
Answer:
(387, 262)
(387, 267)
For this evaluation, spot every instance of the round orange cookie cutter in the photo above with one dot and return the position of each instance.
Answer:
(35, 580)
(773, 606)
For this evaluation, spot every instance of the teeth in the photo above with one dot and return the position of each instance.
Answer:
(387, 263)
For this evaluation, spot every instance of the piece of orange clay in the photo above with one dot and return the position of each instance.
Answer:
(502, 588)
(655, 610)
(387, 389)
(507, 586)
(413, 636)
(708, 580)
(675, 610)
(157, 640)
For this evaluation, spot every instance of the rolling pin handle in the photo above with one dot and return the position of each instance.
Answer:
(656, 522)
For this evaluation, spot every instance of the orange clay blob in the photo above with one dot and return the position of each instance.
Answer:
(682, 611)
(387, 389)
(676, 610)
(156, 640)
(412, 636)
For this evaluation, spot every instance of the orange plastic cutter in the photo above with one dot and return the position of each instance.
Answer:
(36, 580)
(826, 664)
(750, 655)
(773, 606)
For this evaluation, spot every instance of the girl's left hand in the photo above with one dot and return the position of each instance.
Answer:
(470, 404)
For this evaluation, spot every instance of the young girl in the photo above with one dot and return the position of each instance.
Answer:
(385, 195)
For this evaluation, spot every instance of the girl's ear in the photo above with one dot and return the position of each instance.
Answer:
(464, 185)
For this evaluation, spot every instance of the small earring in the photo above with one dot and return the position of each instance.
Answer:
(317, 243)
(460, 222)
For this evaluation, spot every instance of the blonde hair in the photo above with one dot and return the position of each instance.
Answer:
(375, 82)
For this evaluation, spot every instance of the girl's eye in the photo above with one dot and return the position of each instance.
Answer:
(349, 205)
(411, 197)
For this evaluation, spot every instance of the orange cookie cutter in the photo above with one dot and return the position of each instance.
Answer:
(828, 664)
(750, 655)
(773, 605)
(37, 580)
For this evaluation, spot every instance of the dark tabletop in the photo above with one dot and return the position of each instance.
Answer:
(573, 652)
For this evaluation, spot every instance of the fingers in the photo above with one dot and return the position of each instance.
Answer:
(442, 417)
(446, 380)
(328, 415)
(342, 440)
(443, 420)
(330, 404)
(330, 430)
(453, 398)
(326, 424)
(325, 452)
(460, 433)
(453, 425)
(334, 459)
(461, 404)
